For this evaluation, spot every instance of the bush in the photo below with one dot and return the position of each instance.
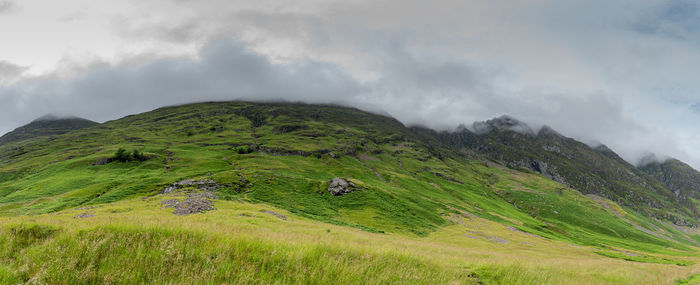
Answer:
(256, 116)
(244, 149)
(124, 156)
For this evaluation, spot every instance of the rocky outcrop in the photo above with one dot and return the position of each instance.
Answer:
(194, 204)
(204, 185)
(339, 186)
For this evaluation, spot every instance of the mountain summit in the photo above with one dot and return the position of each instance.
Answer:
(46, 126)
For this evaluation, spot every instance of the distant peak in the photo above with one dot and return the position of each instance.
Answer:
(548, 131)
(504, 122)
(601, 148)
(461, 128)
(54, 117)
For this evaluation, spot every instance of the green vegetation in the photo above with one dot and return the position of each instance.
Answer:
(123, 156)
(692, 280)
(139, 241)
(123, 254)
(643, 258)
(411, 188)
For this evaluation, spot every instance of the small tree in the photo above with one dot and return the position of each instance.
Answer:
(243, 149)
(122, 155)
(125, 156)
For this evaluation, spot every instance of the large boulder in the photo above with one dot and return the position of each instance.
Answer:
(339, 186)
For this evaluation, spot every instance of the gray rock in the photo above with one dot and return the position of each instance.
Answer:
(193, 206)
(204, 195)
(204, 185)
(170, 203)
(339, 186)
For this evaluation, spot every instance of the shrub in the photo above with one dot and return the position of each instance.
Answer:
(122, 155)
(125, 156)
(256, 117)
(244, 149)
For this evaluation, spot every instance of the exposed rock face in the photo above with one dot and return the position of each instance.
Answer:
(339, 186)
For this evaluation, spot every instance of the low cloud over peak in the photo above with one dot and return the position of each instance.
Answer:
(224, 70)
(621, 72)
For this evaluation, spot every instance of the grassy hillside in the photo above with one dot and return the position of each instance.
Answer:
(419, 210)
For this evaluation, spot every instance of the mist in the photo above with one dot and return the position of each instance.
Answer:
(620, 74)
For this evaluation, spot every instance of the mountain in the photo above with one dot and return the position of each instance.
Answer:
(591, 170)
(48, 125)
(680, 178)
(298, 193)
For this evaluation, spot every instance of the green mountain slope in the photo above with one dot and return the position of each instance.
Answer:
(284, 155)
(406, 182)
(45, 126)
(597, 171)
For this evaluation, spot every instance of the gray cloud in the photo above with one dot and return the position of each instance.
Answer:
(676, 19)
(10, 72)
(223, 71)
(619, 72)
(7, 6)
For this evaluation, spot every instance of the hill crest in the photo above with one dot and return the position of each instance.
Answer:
(46, 125)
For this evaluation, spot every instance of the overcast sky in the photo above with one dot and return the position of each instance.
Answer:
(623, 72)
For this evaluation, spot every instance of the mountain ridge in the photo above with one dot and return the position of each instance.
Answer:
(506, 140)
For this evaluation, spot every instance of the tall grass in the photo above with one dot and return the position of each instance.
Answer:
(136, 241)
(119, 254)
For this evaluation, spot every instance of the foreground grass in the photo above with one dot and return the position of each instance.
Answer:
(122, 254)
(137, 241)
(693, 279)
(643, 258)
